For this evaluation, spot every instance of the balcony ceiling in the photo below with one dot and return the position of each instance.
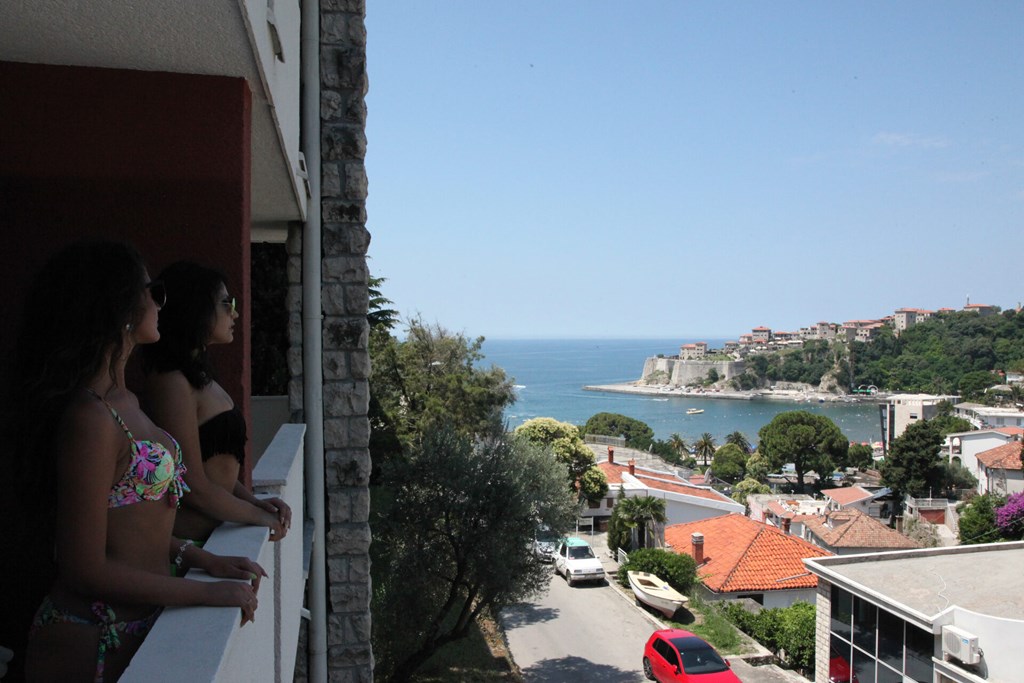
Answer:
(208, 37)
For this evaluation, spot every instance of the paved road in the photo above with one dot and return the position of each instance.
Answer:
(594, 633)
(583, 633)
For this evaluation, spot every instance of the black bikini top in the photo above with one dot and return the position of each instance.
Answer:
(224, 433)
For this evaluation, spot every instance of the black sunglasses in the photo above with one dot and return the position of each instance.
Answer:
(157, 292)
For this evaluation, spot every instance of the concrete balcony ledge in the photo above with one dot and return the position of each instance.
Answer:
(208, 643)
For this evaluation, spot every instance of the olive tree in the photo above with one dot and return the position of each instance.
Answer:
(566, 444)
(452, 538)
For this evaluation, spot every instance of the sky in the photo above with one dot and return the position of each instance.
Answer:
(598, 169)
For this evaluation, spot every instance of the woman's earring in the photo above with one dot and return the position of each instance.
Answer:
(129, 327)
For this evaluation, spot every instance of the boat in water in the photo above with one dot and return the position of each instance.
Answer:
(694, 411)
(654, 592)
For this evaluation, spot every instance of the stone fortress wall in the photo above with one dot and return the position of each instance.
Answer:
(678, 373)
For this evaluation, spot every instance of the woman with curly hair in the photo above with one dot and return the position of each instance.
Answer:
(182, 394)
(107, 481)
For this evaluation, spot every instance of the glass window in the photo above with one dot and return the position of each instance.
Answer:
(839, 660)
(865, 622)
(890, 640)
(887, 675)
(842, 612)
(863, 667)
(920, 646)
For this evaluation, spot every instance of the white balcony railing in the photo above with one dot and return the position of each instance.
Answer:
(207, 643)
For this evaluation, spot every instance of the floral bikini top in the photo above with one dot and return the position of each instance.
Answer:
(152, 473)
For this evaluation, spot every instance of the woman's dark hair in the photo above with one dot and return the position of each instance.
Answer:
(186, 322)
(76, 311)
(74, 314)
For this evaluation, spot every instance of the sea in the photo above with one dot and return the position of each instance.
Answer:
(549, 376)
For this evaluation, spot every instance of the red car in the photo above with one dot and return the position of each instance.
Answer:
(675, 655)
(839, 669)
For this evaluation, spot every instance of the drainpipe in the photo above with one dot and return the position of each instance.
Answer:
(312, 350)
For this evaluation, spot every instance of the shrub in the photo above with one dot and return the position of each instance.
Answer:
(789, 629)
(797, 634)
(1010, 517)
(680, 571)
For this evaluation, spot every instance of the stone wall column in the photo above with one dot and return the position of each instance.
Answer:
(823, 626)
(346, 363)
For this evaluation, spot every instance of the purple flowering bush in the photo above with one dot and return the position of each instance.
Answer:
(1010, 517)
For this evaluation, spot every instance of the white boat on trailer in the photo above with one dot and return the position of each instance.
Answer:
(654, 592)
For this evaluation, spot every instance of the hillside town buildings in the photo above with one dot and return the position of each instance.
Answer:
(763, 338)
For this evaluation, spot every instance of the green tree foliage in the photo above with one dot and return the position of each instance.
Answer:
(704, 448)
(567, 445)
(679, 445)
(748, 487)
(957, 477)
(641, 513)
(797, 635)
(637, 434)
(619, 530)
(730, 463)
(936, 354)
(809, 441)
(978, 519)
(780, 629)
(913, 465)
(972, 385)
(451, 539)
(593, 485)
(758, 466)
(430, 379)
(740, 439)
(949, 424)
(678, 570)
(860, 456)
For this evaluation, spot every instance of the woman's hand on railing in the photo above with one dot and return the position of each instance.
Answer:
(280, 509)
(233, 594)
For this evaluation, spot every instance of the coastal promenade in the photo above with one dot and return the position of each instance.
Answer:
(791, 395)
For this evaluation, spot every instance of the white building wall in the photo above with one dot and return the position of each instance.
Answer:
(998, 638)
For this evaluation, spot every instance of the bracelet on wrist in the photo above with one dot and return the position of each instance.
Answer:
(181, 553)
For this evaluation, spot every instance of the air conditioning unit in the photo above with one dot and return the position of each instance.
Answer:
(960, 644)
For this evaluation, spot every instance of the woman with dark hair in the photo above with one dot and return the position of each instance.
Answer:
(115, 477)
(182, 394)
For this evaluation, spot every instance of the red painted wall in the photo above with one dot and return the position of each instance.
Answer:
(157, 159)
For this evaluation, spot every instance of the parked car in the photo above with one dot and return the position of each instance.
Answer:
(545, 543)
(575, 559)
(674, 655)
(839, 669)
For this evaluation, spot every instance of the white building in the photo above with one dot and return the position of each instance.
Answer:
(684, 502)
(937, 615)
(984, 417)
(903, 409)
(964, 447)
(1000, 470)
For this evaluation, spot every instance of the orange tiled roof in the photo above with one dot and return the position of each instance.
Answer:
(744, 555)
(1010, 431)
(1005, 457)
(662, 481)
(846, 494)
(854, 529)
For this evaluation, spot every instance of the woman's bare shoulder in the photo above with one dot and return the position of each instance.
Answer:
(173, 383)
(88, 416)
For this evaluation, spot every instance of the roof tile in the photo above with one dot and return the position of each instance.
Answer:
(744, 555)
(851, 528)
(1005, 457)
